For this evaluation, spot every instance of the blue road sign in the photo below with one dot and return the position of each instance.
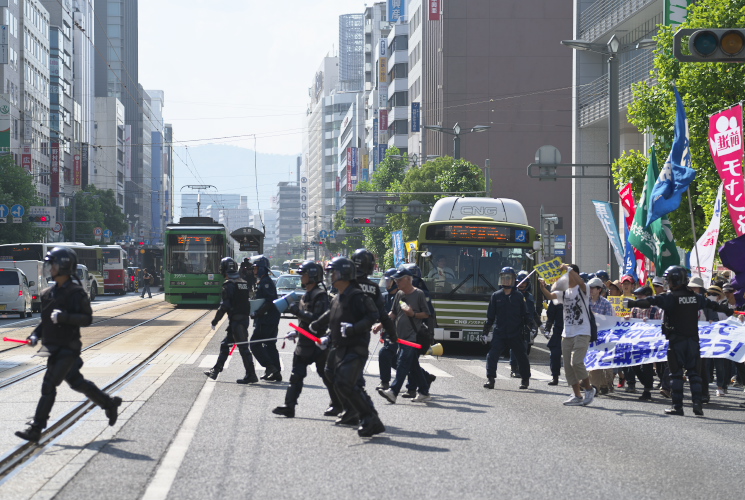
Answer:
(17, 210)
(323, 234)
(332, 234)
(561, 238)
(560, 252)
(147, 242)
(4, 211)
(107, 234)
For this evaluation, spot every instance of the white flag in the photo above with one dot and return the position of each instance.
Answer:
(702, 257)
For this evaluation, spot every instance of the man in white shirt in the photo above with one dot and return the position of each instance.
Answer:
(441, 271)
(576, 336)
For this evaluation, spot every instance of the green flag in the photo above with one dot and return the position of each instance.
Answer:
(656, 241)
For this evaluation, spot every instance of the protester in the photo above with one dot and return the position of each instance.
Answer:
(602, 379)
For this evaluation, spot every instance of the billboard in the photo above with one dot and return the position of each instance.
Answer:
(349, 170)
(55, 170)
(27, 159)
(396, 10)
(676, 11)
(434, 9)
(415, 116)
(5, 123)
(383, 119)
(77, 173)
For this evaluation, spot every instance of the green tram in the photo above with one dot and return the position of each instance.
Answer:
(193, 250)
(461, 251)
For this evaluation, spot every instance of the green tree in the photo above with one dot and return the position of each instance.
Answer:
(17, 188)
(93, 208)
(705, 89)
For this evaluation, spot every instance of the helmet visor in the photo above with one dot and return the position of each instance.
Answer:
(507, 279)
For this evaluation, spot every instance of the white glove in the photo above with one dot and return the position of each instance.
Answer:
(344, 327)
(32, 340)
(324, 343)
(55, 314)
(485, 339)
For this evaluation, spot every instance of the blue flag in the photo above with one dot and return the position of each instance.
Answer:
(629, 260)
(677, 173)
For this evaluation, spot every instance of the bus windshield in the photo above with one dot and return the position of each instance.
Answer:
(459, 271)
(195, 253)
(22, 252)
(112, 256)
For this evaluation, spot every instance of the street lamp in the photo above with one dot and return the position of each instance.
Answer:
(456, 132)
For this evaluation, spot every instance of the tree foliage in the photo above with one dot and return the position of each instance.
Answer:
(93, 208)
(17, 188)
(705, 89)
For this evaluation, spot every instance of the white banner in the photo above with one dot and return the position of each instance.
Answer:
(707, 245)
(636, 342)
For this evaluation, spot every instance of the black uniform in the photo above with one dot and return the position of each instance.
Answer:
(266, 325)
(312, 306)
(680, 326)
(349, 348)
(62, 342)
(234, 303)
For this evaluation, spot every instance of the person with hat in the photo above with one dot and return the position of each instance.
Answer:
(614, 288)
(628, 284)
(644, 372)
(658, 283)
(602, 378)
(388, 353)
(65, 307)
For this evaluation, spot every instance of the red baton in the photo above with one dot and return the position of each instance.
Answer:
(306, 333)
(411, 344)
(7, 339)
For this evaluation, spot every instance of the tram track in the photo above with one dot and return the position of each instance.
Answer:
(28, 451)
(103, 320)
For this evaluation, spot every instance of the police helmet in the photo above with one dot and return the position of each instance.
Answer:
(602, 275)
(228, 266)
(585, 277)
(390, 272)
(262, 264)
(344, 267)
(65, 258)
(364, 260)
(676, 276)
(507, 277)
(313, 269)
(413, 269)
(521, 276)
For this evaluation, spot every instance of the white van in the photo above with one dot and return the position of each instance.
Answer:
(34, 271)
(87, 279)
(15, 296)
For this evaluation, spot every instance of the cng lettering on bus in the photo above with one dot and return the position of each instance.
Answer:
(483, 211)
(468, 322)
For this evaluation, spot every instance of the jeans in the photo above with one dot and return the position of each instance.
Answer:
(517, 345)
(146, 289)
(408, 365)
(387, 360)
(266, 352)
(684, 356)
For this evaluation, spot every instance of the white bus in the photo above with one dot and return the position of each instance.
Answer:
(91, 257)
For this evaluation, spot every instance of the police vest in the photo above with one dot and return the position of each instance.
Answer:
(348, 307)
(239, 304)
(68, 299)
(681, 314)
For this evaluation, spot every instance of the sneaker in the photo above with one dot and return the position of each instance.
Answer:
(554, 381)
(589, 396)
(646, 396)
(383, 386)
(370, 426)
(665, 393)
(674, 411)
(409, 395)
(698, 410)
(348, 418)
(422, 398)
(31, 433)
(490, 383)
(574, 401)
(248, 379)
(332, 411)
(112, 411)
(720, 392)
(285, 411)
(212, 373)
(389, 395)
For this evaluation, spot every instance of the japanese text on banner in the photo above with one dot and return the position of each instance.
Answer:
(725, 142)
(550, 271)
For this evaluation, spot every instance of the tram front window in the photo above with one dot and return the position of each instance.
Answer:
(194, 254)
(469, 270)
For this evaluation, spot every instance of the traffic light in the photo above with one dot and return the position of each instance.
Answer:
(38, 218)
(711, 45)
(362, 220)
(320, 243)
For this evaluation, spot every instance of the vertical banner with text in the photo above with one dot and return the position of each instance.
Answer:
(55, 170)
(605, 215)
(415, 116)
(5, 113)
(27, 159)
(434, 9)
(725, 142)
(349, 170)
(77, 173)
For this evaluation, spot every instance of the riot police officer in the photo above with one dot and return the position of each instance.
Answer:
(680, 326)
(389, 352)
(65, 307)
(235, 303)
(266, 321)
(312, 305)
(349, 320)
(247, 273)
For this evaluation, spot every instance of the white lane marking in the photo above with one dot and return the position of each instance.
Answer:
(434, 370)
(209, 361)
(161, 484)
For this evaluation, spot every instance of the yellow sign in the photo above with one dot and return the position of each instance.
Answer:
(411, 245)
(617, 303)
(550, 271)
(383, 70)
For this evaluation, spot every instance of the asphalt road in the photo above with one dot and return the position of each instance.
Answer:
(184, 437)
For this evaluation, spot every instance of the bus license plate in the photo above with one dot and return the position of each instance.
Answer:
(2, 307)
(472, 336)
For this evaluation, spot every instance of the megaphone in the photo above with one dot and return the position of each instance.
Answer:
(435, 350)
(283, 303)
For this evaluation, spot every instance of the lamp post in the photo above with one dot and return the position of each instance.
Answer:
(456, 132)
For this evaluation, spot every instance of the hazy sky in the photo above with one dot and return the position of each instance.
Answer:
(238, 67)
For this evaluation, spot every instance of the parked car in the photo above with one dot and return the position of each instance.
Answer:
(15, 296)
(287, 283)
(34, 271)
(89, 283)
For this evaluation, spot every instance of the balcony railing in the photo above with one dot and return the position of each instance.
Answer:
(593, 98)
(603, 15)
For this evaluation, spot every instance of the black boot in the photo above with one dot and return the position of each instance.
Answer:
(332, 411)
(285, 411)
(212, 373)
(31, 433)
(370, 426)
(250, 378)
(348, 417)
(112, 409)
(646, 396)
(248, 365)
(490, 383)
(554, 381)
(525, 383)
(275, 375)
